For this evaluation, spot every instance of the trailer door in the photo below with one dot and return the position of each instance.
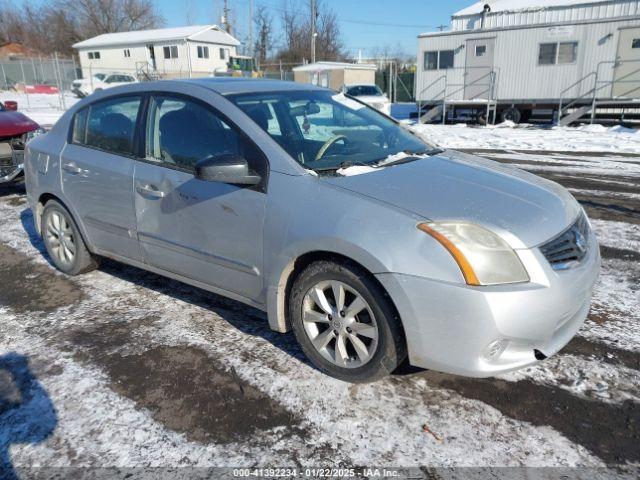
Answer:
(479, 65)
(627, 72)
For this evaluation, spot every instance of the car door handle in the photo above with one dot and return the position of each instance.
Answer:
(150, 191)
(72, 168)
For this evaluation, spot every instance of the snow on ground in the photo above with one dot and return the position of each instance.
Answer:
(347, 424)
(590, 138)
(43, 108)
(117, 327)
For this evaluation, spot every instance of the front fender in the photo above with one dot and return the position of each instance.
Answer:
(305, 215)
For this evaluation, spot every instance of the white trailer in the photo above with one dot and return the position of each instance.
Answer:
(522, 60)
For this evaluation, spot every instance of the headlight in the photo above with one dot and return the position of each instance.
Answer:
(483, 257)
(34, 133)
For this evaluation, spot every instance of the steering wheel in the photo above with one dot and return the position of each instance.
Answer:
(328, 144)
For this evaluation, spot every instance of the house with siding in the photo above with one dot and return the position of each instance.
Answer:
(574, 60)
(167, 52)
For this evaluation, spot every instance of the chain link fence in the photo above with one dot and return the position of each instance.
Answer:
(42, 75)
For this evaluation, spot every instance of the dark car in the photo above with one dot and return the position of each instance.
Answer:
(16, 129)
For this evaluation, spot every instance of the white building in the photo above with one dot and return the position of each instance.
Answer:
(168, 52)
(518, 57)
(335, 75)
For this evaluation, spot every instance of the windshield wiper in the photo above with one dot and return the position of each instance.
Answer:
(345, 165)
(411, 157)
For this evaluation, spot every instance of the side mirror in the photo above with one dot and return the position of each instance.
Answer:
(11, 105)
(226, 168)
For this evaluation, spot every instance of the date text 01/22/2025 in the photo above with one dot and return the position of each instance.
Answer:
(316, 472)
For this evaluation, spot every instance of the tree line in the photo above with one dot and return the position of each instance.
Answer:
(281, 34)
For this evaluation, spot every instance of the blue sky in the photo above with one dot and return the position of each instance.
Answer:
(395, 24)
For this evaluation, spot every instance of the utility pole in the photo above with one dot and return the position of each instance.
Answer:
(313, 31)
(225, 17)
(251, 28)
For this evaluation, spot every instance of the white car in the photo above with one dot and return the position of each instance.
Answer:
(369, 94)
(100, 81)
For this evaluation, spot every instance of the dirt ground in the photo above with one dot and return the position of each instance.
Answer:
(124, 368)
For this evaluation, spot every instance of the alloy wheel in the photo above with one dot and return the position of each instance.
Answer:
(60, 238)
(340, 324)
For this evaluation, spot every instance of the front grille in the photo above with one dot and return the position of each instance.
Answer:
(570, 247)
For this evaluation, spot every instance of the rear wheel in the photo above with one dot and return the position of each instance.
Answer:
(345, 323)
(63, 241)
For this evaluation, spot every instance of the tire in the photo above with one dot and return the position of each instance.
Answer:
(481, 117)
(381, 355)
(58, 223)
(511, 114)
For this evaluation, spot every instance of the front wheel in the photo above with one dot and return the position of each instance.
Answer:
(345, 322)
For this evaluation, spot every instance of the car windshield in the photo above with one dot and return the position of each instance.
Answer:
(100, 76)
(364, 90)
(325, 131)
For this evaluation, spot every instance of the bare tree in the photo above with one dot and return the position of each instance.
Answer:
(11, 24)
(297, 34)
(56, 26)
(264, 26)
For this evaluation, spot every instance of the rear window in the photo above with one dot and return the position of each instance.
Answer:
(80, 126)
(108, 125)
(364, 90)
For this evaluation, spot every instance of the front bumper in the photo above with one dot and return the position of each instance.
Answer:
(484, 331)
(11, 163)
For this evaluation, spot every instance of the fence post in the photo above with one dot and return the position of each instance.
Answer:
(4, 76)
(63, 103)
(24, 82)
(595, 96)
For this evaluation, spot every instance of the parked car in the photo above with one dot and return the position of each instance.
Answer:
(100, 81)
(369, 94)
(16, 129)
(346, 228)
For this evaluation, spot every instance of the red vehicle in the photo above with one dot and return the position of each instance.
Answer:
(16, 129)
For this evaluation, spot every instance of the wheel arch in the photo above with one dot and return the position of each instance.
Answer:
(278, 294)
(41, 203)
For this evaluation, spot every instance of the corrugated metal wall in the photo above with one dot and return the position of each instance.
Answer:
(519, 77)
(600, 11)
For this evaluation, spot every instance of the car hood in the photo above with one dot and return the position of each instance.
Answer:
(15, 123)
(457, 186)
(368, 99)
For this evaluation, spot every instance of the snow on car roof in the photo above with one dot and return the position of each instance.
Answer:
(520, 5)
(155, 35)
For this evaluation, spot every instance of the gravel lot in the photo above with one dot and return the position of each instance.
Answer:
(123, 368)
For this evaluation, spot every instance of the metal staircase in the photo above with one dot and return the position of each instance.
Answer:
(145, 74)
(592, 105)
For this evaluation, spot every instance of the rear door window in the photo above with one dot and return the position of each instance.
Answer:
(111, 125)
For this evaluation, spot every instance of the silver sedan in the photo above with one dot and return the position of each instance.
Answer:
(372, 246)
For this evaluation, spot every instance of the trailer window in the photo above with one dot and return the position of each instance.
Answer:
(548, 54)
(481, 50)
(568, 52)
(635, 43)
(446, 59)
(440, 60)
(430, 60)
(558, 53)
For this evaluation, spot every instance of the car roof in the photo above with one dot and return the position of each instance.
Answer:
(233, 85)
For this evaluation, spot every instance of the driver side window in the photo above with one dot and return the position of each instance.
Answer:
(182, 132)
